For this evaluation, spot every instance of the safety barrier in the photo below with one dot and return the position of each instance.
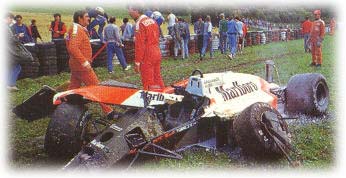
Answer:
(52, 57)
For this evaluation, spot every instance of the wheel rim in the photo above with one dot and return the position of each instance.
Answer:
(321, 94)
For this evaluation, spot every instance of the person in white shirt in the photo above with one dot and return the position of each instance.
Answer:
(171, 21)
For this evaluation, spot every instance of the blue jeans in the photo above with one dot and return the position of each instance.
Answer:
(100, 21)
(111, 49)
(206, 39)
(232, 38)
(223, 42)
(13, 75)
(306, 45)
(186, 47)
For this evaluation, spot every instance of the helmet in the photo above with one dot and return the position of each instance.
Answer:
(100, 10)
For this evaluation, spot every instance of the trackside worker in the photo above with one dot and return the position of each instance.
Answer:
(147, 50)
(306, 28)
(316, 38)
(57, 27)
(79, 49)
(332, 26)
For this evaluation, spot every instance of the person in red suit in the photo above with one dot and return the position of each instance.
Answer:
(80, 51)
(147, 50)
(316, 37)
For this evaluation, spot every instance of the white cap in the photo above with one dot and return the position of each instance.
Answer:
(100, 10)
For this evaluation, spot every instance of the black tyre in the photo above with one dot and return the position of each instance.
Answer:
(307, 94)
(259, 130)
(64, 133)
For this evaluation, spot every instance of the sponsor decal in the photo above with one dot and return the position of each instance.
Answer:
(237, 90)
(152, 96)
(116, 128)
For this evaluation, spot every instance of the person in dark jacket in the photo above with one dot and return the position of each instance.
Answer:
(21, 30)
(34, 31)
(57, 27)
(198, 29)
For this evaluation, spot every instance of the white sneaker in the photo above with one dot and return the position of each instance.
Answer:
(230, 56)
(128, 67)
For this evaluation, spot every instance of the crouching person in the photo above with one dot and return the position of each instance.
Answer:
(80, 52)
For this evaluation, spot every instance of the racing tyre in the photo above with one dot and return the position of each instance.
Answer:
(307, 94)
(64, 133)
(261, 132)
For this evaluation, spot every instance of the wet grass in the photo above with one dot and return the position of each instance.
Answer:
(315, 141)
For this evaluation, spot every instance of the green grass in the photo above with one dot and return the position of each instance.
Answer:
(315, 142)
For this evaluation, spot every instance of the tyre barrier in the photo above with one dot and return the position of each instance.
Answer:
(129, 51)
(62, 55)
(283, 36)
(263, 38)
(101, 59)
(47, 58)
(30, 69)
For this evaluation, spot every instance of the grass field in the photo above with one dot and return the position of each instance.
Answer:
(314, 141)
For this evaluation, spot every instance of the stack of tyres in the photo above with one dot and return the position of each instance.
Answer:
(192, 46)
(62, 55)
(215, 42)
(164, 47)
(129, 50)
(101, 58)
(269, 35)
(47, 58)
(30, 69)
(276, 35)
(248, 39)
(258, 38)
(283, 35)
(253, 38)
(263, 38)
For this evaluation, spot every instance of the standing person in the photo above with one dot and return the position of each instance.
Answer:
(57, 27)
(198, 28)
(332, 26)
(239, 34)
(177, 38)
(171, 21)
(157, 16)
(232, 37)
(147, 50)
(306, 29)
(34, 31)
(114, 45)
(316, 38)
(128, 30)
(21, 30)
(223, 33)
(100, 19)
(17, 53)
(207, 37)
(80, 52)
(186, 38)
(244, 34)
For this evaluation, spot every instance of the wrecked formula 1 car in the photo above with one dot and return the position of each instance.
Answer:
(216, 110)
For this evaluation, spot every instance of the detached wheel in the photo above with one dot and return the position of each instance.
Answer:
(260, 131)
(64, 135)
(307, 94)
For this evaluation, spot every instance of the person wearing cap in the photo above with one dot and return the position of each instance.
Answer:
(316, 38)
(147, 50)
(223, 33)
(57, 28)
(306, 28)
(80, 52)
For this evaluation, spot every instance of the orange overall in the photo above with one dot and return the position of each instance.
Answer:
(316, 38)
(79, 49)
(147, 53)
(332, 26)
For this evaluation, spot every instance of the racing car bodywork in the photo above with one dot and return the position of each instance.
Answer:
(221, 109)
